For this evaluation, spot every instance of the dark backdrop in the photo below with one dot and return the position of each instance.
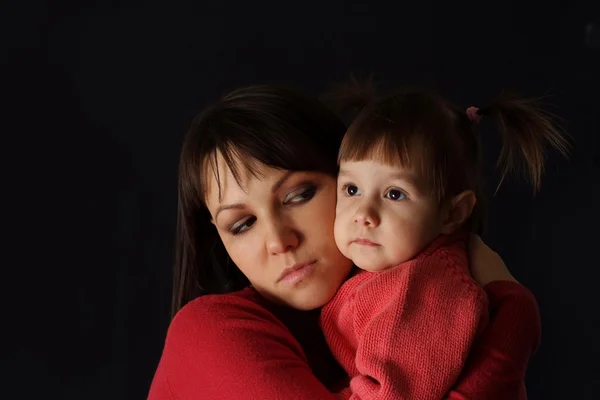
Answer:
(100, 94)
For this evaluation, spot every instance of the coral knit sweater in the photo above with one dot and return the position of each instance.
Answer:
(405, 333)
(239, 346)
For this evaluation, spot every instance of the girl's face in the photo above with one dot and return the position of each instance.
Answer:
(278, 230)
(385, 215)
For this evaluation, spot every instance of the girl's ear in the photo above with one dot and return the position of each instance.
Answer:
(460, 209)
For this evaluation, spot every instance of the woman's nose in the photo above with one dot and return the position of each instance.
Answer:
(281, 239)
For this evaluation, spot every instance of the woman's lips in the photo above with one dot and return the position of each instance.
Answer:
(296, 273)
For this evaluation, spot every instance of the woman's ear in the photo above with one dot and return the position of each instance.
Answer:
(460, 209)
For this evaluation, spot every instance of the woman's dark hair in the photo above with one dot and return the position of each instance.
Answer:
(392, 128)
(249, 127)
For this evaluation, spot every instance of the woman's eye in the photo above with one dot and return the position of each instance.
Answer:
(395, 194)
(351, 190)
(301, 196)
(242, 226)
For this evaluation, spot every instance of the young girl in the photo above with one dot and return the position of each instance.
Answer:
(409, 193)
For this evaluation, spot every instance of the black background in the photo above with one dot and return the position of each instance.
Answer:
(100, 94)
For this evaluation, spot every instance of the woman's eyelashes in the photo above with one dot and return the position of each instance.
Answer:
(298, 196)
(301, 195)
(242, 226)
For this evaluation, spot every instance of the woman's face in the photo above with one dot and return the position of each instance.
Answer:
(278, 229)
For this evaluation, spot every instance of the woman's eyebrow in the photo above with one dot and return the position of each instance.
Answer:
(237, 206)
(240, 206)
(281, 181)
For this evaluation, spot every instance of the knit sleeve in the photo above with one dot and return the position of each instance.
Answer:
(416, 346)
(232, 349)
(496, 367)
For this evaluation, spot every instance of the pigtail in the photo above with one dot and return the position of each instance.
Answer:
(527, 130)
(349, 98)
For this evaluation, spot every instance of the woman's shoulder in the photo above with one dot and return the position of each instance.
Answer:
(224, 326)
(233, 334)
(206, 314)
(220, 301)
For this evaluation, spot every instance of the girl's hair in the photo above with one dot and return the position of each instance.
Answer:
(249, 127)
(417, 129)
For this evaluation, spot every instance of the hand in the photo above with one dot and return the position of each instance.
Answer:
(486, 265)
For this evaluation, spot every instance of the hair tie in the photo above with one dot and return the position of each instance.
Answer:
(474, 114)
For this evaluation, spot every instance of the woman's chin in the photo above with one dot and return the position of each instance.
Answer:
(316, 292)
(307, 303)
(315, 289)
(309, 297)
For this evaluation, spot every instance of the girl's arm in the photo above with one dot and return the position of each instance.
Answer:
(227, 347)
(412, 327)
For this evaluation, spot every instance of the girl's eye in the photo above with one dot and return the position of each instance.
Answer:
(301, 196)
(351, 190)
(395, 194)
(242, 226)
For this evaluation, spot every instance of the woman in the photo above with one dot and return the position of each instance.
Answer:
(256, 259)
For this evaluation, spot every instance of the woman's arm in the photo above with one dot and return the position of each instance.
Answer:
(227, 347)
(498, 361)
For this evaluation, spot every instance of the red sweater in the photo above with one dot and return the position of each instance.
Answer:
(239, 346)
(406, 332)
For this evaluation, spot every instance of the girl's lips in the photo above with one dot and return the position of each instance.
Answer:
(364, 242)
